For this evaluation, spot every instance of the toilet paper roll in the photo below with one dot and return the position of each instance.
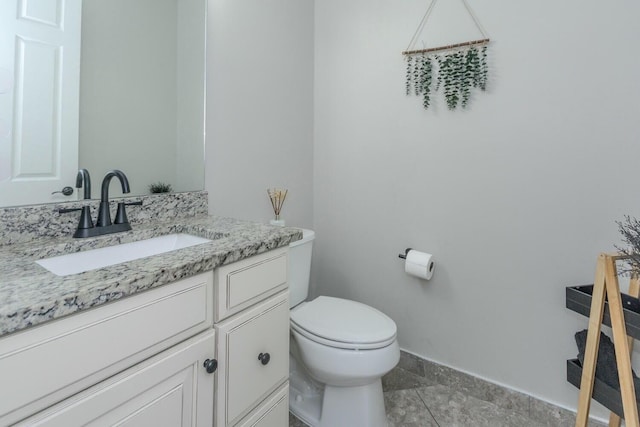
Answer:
(419, 264)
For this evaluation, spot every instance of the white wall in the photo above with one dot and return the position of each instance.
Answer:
(515, 196)
(260, 108)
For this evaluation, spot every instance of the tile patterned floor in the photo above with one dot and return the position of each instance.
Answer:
(413, 400)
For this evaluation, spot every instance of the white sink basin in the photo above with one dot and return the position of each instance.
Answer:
(79, 262)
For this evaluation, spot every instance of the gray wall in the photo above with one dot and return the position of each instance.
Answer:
(515, 197)
(260, 108)
(141, 95)
(191, 45)
(113, 124)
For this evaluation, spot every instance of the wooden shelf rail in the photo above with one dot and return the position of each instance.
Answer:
(447, 47)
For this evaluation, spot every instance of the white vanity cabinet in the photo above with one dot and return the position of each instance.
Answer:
(209, 350)
(51, 363)
(252, 311)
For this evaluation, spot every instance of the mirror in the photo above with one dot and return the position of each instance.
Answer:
(139, 102)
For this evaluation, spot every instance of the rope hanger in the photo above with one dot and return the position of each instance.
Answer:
(410, 48)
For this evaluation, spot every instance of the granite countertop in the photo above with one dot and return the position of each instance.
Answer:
(31, 295)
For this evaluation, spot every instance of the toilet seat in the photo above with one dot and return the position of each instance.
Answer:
(342, 323)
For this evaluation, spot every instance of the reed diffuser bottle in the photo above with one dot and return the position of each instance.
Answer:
(277, 197)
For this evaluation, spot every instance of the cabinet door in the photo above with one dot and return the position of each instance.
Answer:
(44, 365)
(253, 350)
(171, 389)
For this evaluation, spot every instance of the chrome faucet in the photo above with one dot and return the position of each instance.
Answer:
(104, 216)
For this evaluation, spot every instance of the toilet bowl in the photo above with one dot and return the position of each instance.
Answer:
(339, 351)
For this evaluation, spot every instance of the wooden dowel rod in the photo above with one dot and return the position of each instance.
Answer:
(592, 344)
(634, 290)
(448, 47)
(618, 256)
(621, 346)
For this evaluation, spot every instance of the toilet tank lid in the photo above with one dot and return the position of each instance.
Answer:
(307, 236)
(344, 321)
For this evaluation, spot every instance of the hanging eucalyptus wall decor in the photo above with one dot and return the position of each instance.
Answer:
(455, 69)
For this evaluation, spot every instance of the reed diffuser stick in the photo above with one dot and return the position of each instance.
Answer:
(277, 197)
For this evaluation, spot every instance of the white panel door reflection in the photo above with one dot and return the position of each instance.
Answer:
(39, 99)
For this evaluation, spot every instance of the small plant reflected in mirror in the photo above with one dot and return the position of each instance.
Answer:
(160, 187)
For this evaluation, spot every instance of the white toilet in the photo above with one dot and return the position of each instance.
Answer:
(340, 349)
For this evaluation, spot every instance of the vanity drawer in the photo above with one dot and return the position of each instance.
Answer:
(253, 358)
(48, 363)
(249, 281)
(273, 412)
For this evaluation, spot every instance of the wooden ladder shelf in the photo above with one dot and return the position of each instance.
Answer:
(606, 288)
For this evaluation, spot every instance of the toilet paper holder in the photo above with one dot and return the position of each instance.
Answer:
(404, 255)
(417, 264)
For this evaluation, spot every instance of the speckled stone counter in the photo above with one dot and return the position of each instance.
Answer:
(20, 224)
(31, 295)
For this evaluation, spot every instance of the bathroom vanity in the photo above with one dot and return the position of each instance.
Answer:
(194, 337)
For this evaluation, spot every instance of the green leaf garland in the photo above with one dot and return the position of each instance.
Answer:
(455, 72)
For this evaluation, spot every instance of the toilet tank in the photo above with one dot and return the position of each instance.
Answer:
(300, 267)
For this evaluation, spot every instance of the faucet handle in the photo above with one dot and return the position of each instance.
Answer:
(68, 210)
(85, 216)
(121, 214)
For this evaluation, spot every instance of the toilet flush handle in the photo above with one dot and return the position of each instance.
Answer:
(264, 358)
